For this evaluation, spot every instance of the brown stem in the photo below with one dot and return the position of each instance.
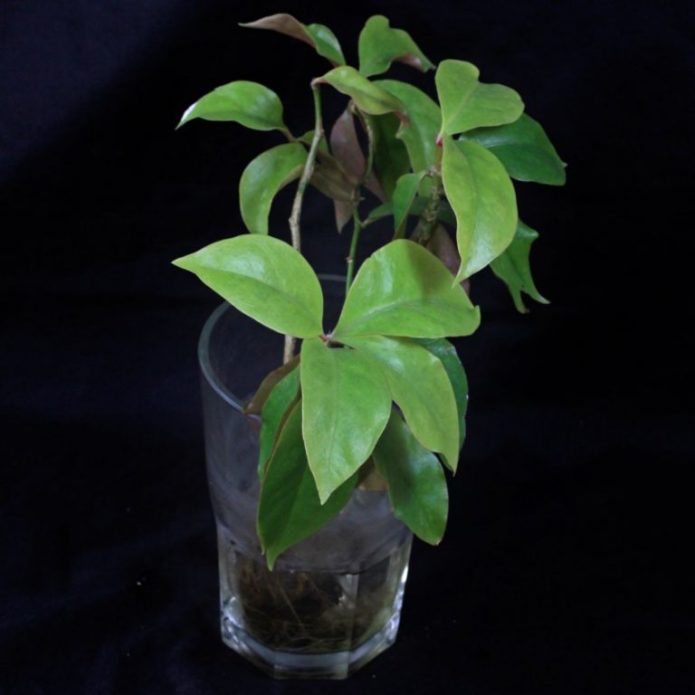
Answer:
(295, 217)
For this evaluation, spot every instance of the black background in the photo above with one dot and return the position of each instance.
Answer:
(566, 566)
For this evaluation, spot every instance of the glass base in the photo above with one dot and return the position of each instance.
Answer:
(332, 665)
(309, 623)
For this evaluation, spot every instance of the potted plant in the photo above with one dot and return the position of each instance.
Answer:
(320, 471)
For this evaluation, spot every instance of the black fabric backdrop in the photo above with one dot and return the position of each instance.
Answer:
(566, 566)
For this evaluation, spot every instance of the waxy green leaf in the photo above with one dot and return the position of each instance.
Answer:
(275, 412)
(289, 509)
(403, 290)
(264, 278)
(345, 406)
(449, 358)
(403, 198)
(263, 178)
(467, 103)
(514, 269)
(419, 133)
(380, 45)
(327, 45)
(420, 387)
(483, 199)
(416, 482)
(390, 155)
(318, 36)
(368, 96)
(248, 103)
(524, 149)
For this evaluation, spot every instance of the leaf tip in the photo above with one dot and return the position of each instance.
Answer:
(182, 262)
(186, 116)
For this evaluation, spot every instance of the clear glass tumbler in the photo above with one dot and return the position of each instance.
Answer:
(333, 602)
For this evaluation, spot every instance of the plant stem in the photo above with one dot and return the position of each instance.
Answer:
(295, 217)
(356, 222)
(308, 170)
(356, 229)
(428, 219)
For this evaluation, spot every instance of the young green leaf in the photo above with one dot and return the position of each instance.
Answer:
(379, 212)
(420, 387)
(513, 267)
(369, 97)
(263, 178)
(289, 509)
(482, 196)
(327, 44)
(403, 198)
(403, 290)
(416, 481)
(274, 415)
(345, 407)
(524, 149)
(380, 44)
(419, 133)
(449, 358)
(318, 36)
(467, 103)
(390, 155)
(248, 103)
(264, 278)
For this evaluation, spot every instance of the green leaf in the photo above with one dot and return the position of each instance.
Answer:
(264, 278)
(379, 212)
(390, 155)
(345, 406)
(449, 358)
(524, 149)
(403, 290)
(416, 481)
(275, 411)
(380, 44)
(248, 103)
(403, 198)
(327, 45)
(369, 97)
(421, 388)
(419, 132)
(467, 103)
(514, 269)
(263, 178)
(289, 509)
(318, 36)
(482, 196)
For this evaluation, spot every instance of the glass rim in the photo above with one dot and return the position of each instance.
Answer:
(206, 368)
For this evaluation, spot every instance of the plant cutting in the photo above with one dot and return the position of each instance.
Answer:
(363, 409)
